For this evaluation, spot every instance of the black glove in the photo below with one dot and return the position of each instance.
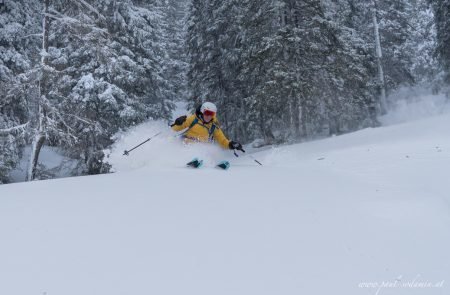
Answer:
(235, 146)
(179, 121)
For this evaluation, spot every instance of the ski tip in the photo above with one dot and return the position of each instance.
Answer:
(225, 165)
(195, 163)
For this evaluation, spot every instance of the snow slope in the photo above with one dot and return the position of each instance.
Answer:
(345, 215)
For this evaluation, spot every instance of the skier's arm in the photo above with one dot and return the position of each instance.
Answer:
(221, 138)
(182, 123)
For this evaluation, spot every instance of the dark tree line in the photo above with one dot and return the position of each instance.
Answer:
(441, 10)
(285, 70)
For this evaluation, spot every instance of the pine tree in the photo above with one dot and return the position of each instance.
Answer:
(18, 39)
(175, 63)
(347, 91)
(421, 44)
(442, 12)
(197, 49)
(395, 29)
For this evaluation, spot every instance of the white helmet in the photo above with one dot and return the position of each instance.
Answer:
(208, 107)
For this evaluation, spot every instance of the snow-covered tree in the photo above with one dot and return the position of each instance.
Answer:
(93, 68)
(265, 63)
(175, 62)
(442, 11)
(114, 69)
(19, 35)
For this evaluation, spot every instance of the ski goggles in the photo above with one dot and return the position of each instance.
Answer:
(208, 113)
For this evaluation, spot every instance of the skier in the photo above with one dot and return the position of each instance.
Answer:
(203, 126)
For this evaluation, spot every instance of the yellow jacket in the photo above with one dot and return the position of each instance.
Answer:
(201, 131)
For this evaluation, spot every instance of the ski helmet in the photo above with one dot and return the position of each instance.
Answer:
(208, 108)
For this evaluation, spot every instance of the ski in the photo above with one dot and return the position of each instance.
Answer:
(223, 165)
(195, 163)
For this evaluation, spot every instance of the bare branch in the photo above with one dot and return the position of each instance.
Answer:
(13, 130)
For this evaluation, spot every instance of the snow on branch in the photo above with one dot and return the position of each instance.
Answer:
(64, 18)
(91, 8)
(81, 119)
(13, 130)
(33, 35)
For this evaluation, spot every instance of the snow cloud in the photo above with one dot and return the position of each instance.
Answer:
(410, 104)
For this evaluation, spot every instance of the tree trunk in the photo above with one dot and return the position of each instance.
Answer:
(383, 103)
(40, 136)
(38, 142)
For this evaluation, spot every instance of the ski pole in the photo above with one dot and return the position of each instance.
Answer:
(253, 158)
(126, 153)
